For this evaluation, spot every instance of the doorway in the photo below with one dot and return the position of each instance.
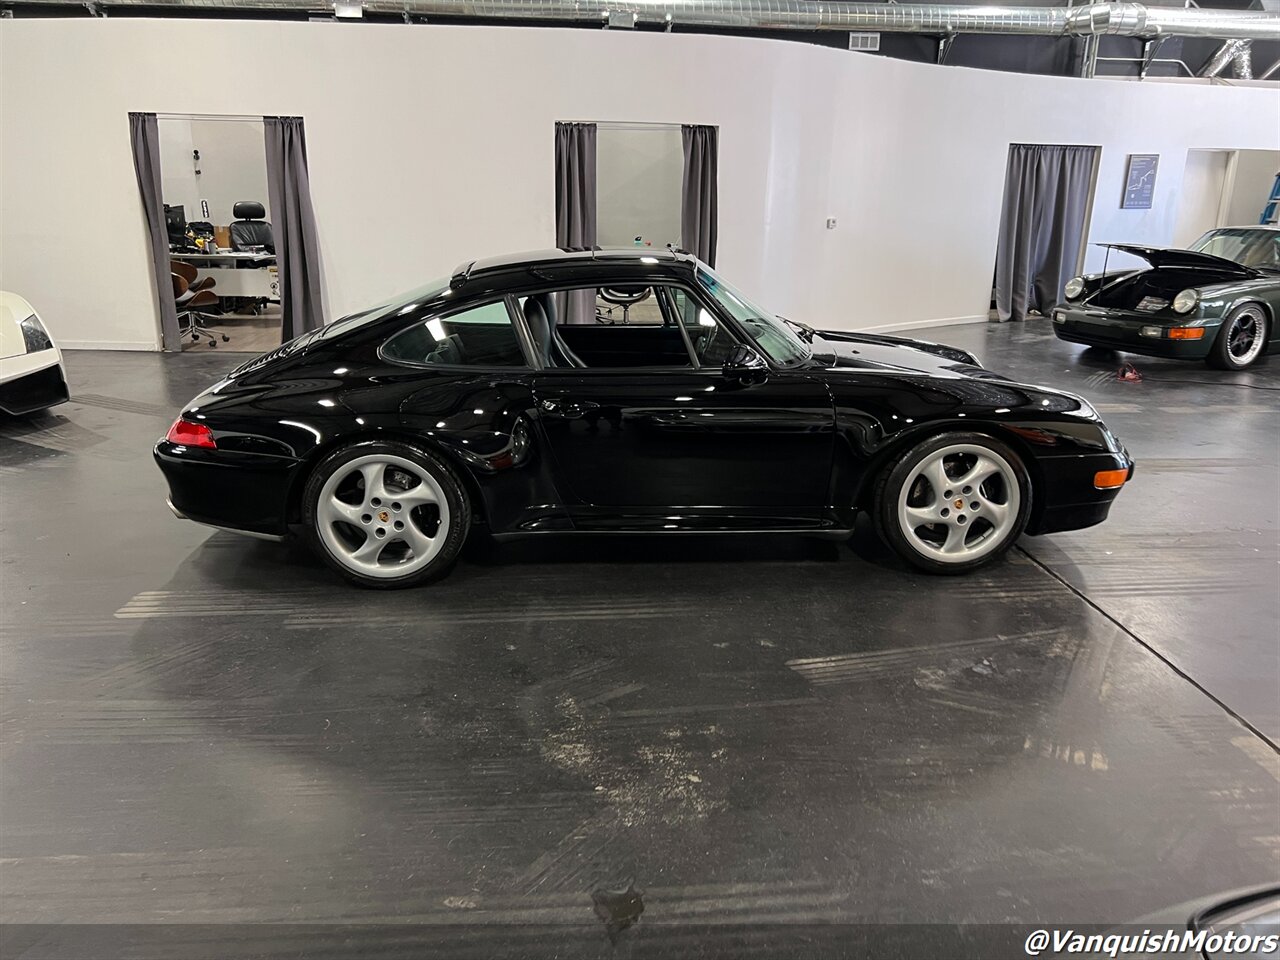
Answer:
(218, 219)
(1048, 198)
(1204, 195)
(638, 181)
(1249, 184)
(648, 185)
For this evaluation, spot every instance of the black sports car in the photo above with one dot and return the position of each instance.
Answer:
(1216, 301)
(625, 391)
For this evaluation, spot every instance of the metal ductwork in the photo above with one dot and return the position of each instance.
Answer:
(1242, 63)
(1096, 19)
(1221, 57)
(1238, 53)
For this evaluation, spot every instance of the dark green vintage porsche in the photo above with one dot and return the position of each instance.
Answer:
(1217, 301)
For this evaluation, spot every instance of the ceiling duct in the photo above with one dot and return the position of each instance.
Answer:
(1232, 52)
(1242, 63)
(1095, 19)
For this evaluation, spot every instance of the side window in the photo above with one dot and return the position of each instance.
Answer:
(620, 326)
(628, 304)
(710, 341)
(482, 337)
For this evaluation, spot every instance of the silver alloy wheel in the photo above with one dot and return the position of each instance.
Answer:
(967, 500)
(1245, 336)
(367, 516)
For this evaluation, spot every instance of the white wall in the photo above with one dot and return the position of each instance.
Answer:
(1255, 174)
(429, 145)
(233, 165)
(639, 172)
(1203, 181)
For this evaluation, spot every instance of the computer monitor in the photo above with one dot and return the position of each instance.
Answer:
(175, 219)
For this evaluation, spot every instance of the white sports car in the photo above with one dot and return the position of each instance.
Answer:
(30, 362)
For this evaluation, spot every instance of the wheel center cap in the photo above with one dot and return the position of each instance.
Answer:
(384, 516)
(957, 503)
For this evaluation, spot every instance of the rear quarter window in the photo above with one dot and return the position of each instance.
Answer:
(481, 337)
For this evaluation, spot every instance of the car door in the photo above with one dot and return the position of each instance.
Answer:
(465, 386)
(680, 445)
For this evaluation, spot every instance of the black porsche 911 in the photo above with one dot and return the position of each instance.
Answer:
(629, 391)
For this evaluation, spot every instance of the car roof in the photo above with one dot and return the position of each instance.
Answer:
(596, 257)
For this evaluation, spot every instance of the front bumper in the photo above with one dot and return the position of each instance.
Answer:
(1069, 499)
(242, 492)
(33, 391)
(1119, 330)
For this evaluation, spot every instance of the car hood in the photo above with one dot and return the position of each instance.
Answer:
(868, 351)
(1167, 257)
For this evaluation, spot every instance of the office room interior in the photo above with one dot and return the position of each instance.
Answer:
(218, 223)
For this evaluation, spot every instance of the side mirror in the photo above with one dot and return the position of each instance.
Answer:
(745, 365)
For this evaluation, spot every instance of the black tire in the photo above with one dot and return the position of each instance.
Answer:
(444, 476)
(1223, 354)
(889, 490)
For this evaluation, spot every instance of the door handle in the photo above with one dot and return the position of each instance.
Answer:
(569, 409)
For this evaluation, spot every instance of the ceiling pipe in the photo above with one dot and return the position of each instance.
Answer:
(1228, 53)
(1094, 19)
(1242, 62)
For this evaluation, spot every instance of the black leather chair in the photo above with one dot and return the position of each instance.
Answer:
(540, 315)
(249, 231)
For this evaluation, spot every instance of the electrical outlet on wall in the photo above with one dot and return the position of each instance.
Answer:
(831, 223)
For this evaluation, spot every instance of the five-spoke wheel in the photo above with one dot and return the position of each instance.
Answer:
(953, 502)
(386, 514)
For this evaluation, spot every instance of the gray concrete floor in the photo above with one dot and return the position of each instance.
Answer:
(203, 729)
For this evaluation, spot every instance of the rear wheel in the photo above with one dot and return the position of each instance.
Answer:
(386, 515)
(953, 503)
(1241, 338)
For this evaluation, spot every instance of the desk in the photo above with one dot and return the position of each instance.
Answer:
(259, 282)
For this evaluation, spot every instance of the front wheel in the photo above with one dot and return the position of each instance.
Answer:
(1241, 338)
(386, 515)
(953, 503)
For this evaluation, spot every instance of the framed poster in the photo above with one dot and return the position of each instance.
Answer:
(1140, 181)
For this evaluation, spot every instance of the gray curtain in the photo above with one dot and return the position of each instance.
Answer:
(145, 138)
(1046, 193)
(576, 208)
(293, 226)
(699, 201)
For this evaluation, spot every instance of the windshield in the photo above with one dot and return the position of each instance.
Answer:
(770, 334)
(1250, 248)
(404, 303)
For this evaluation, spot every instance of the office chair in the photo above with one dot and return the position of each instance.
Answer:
(622, 296)
(250, 231)
(189, 273)
(190, 316)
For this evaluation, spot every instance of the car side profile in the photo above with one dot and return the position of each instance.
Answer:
(1217, 301)
(630, 391)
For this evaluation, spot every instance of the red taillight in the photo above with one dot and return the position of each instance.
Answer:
(191, 434)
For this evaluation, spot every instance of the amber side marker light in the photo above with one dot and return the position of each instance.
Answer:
(1186, 333)
(1110, 479)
